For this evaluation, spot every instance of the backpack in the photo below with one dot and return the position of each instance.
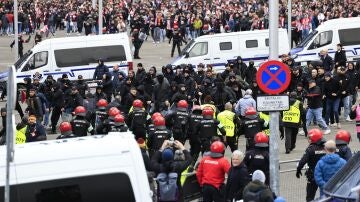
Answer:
(253, 196)
(167, 186)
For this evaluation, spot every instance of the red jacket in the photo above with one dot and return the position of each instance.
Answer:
(212, 171)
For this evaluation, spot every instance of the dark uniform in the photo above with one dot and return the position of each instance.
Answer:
(137, 122)
(258, 159)
(206, 130)
(119, 128)
(178, 121)
(81, 126)
(101, 116)
(157, 138)
(250, 126)
(343, 151)
(312, 155)
(105, 126)
(195, 145)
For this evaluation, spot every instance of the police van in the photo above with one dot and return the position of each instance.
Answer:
(88, 169)
(74, 56)
(220, 49)
(343, 30)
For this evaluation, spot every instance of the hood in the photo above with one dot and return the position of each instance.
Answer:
(296, 50)
(331, 158)
(247, 96)
(255, 186)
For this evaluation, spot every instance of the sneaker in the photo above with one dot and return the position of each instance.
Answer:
(333, 125)
(327, 131)
(338, 126)
(301, 132)
(348, 119)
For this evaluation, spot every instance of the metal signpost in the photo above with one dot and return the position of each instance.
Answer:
(273, 77)
(100, 20)
(16, 30)
(289, 22)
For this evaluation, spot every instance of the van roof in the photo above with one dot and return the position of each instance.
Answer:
(340, 21)
(85, 38)
(254, 32)
(82, 147)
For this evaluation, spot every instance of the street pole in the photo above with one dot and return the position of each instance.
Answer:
(100, 16)
(16, 55)
(289, 22)
(10, 128)
(274, 116)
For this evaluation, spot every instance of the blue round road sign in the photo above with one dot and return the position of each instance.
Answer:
(273, 77)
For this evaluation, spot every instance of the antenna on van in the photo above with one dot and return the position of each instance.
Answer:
(10, 128)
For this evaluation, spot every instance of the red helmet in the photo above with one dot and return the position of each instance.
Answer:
(102, 104)
(80, 111)
(119, 119)
(156, 114)
(208, 111)
(250, 111)
(182, 104)
(138, 104)
(261, 140)
(217, 149)
(315, 135)
(342, 137)
(65, 128)
(159, 121)
(113, 111)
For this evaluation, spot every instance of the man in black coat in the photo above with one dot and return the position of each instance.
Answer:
(340, 56)
(327, 61)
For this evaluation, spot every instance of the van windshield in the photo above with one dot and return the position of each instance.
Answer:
(307, 39)
(21, 60)
(187, 47)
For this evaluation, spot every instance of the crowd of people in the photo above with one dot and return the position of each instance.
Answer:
(160, 18)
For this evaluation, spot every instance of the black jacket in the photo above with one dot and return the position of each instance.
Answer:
(313, 154)
(238, 178)
(258, 159)
(330, 87)
(327, 63)
(314, 97)
(344, 85)
(340, 58)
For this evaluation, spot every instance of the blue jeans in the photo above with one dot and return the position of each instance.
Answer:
(317, 114)
(68, 27)
(332, 105)
(46, 118)
(346, 104)
(305, 32)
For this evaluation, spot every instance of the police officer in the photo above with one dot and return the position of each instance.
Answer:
(342, 139)
(66, 131)
(211, 173)
(208, 128)
(79, 124)
(291, 120)
(100, 114)
(137, 120)
(258, 157)
(105, 126)
(194, 121)
(228, 119)
(150, 124)
(178, 121)
(119, 124)
(250, 126)
(158, 136)
(312, 155)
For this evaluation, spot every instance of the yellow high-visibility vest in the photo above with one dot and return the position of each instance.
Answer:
(226, 119)
(293, 114)
(20, 136)
(266, 119)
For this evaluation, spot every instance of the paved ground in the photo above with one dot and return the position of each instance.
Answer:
(158, 55)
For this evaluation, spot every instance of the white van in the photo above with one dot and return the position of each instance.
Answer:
(88, 169)
(343, 30)
(220, 49)
(74, 56)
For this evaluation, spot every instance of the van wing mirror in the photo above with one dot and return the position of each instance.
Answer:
(186, 54)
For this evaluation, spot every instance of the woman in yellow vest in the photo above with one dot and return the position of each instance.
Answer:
(21, 128)
(291, 121)
(228, 119)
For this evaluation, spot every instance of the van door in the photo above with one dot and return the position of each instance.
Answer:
(224, 50)
(70, 60)
(321, 41)
(199, 53)
(37, 62)
(251, 49)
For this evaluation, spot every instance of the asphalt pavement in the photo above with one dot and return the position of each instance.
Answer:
(157, 55)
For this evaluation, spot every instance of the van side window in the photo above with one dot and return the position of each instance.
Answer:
(199, 49)
(85, 56)
(267, 42)
(323, 39)
(349, 37)
(251, 43)
(225, 46)
(37, 60)
(108, 187)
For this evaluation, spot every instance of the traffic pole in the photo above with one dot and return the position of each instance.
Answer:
(274, 116)
(93, 4)
(16, 54)
(289, 22)
(10, 128)
(100, 17)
